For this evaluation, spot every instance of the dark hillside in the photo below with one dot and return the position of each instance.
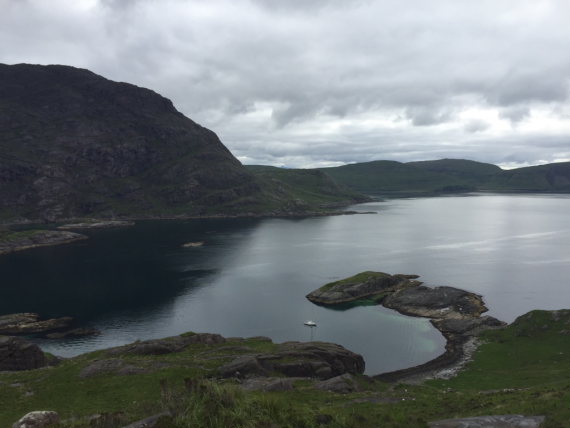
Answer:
(554, 177)
(73, 143)
(392, 177)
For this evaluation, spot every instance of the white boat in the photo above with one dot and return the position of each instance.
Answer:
(310, 323)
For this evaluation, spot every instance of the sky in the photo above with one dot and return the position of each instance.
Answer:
(310, 83)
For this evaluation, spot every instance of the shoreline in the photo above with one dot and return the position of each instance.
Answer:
(42, 238)
(455, 313)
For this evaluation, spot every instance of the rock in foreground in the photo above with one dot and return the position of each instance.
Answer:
(499, 421)
(38, 419)
(297, 359)
(19, 354)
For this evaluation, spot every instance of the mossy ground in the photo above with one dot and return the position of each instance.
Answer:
(521, 369)
(356, 279)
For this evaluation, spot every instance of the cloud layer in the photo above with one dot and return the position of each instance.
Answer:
(325, 82)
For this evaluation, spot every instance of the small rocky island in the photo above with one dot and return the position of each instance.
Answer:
(97, 224)
(28, 323)
(23, 240)
(455, 313)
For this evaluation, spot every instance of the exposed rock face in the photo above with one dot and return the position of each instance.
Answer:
(29, 323)
(19, 354)
(296, 359)
(268, 384)
(499, 421)
(342, 384)
(363, 285)
(438, 302)
(38, 419)
(74, 143)
(166, 346)
(41, 238)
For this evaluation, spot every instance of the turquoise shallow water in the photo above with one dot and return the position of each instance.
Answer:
(251, 276)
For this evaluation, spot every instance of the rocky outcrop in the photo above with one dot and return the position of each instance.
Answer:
(296, 359)
(97, 224)
(498, 421)
(167, 345)
(19, 354)
(38, 419)
(29, 323)
(18, 241)
(364, 285)
(438, 302)
(342, 384)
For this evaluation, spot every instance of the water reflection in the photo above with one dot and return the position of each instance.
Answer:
(252, 275)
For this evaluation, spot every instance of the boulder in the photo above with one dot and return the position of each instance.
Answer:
(297, 359)
(342, 384)
(38, 419)
(243, 366)
(268, 384)
(499, 421)
(19, 354)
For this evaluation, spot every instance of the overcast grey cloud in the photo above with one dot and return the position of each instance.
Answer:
(326, 82)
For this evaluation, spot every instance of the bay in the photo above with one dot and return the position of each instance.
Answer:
(251, 275)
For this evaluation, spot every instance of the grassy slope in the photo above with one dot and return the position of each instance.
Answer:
(449, 175)
(553, 177)
(393, 177)
(305, 187)
(522, 369)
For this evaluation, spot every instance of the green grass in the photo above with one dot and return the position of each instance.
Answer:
(356, 279)
(521, 369)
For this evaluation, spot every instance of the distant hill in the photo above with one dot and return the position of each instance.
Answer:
(396, 178)
(468, 170)
(304, 186)
(554, 177)
(448, 176)
(75, 144)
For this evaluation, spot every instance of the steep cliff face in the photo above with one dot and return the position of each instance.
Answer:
(73, 143)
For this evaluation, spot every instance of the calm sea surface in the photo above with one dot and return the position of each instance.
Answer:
(251, 276)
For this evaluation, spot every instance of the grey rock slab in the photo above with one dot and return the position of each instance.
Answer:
(37, 419)
(495, 421)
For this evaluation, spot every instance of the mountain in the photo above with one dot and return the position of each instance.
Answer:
(75, 144)
(554, 177)
(463, 169)
(397, 178)
(448, 176)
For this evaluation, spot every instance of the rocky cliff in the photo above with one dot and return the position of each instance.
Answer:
(73, 143)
